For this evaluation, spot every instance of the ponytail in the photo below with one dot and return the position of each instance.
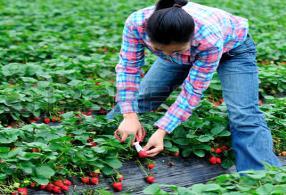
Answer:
(162, 4)
(170, 23)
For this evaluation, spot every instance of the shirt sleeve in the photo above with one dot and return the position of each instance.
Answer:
(197, 81)
(128, 69)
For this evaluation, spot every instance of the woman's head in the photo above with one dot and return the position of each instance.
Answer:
(170, 26)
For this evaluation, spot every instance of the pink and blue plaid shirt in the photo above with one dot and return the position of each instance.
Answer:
(216, 32)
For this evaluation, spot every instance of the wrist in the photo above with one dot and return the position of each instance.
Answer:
(131, 115)
(162, 132)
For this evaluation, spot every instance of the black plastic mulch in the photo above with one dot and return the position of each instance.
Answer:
(168, 170)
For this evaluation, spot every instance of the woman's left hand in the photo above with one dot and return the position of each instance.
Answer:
(155, 143)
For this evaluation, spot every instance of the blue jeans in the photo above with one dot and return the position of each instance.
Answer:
(238, 73)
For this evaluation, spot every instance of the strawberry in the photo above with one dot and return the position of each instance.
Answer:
(218, 160)
(35, 150)
(47, 120)
(142, 154)
(56, 189)
(49, 187)
(33, 184)
(54, 119)
(14, 193)
(176, 154)
(42, 187)
(224, 148)
(150, 179)
(65, 188)
(218, 151)
(85, 180)
(32, 121)
(22, 191)
(89, 140)
(151, 166)
(59, 183)
(93, 144)
(212, 150)
(117, 186)
(212, 160)
(89, 113)
(94, 180)
(37, 118)
(120, 177)
(67, 182)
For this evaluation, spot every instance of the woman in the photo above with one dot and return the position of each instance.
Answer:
(192, 41)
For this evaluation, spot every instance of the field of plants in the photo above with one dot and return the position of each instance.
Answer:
(57, 83)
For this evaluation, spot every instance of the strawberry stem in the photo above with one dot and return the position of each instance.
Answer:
(141, 167)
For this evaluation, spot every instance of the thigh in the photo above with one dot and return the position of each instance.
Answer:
(238, 73)
(162, 78)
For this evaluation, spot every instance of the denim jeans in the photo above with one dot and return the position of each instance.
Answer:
(251, 138)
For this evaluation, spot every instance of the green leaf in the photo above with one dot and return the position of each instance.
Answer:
(154, 189)
(41, 181)
(205, 138)
(44, 172)
(199, 153)
(113, 162)
(265, 189)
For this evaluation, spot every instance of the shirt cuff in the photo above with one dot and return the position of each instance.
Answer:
(128, 107)
(173, 118)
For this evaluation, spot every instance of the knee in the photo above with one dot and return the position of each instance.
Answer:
(247, 117)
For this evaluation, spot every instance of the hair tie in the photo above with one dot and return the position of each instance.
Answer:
(177, 5)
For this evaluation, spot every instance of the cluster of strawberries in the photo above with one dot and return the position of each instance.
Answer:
(214, 158)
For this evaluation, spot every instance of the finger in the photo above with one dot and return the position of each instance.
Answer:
(139, 135)
(123, 136)
(154, 154)
(147, 146)
(154, 150)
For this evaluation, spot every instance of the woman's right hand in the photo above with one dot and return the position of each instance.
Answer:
(130, 125)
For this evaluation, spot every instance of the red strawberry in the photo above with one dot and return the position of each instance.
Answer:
(117, 186)
(23, 191)
(57, 189)
(142, 154)
(218, 151)
(59, 183)
(85, 180)
(151, 166)
(47, 120)
(42, 187)
(67, 182)
(14, 193)
(176, 154)
(65, 188)
(89, 113)
(120, 177)
(212, 160)
(150, 179)
(218, 160)
(94, 180)
(49, 187)
(93, 144)
(33, 184)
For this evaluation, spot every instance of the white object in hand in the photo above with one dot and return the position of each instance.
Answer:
(137, 146)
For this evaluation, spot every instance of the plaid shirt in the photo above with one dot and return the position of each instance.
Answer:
(216, 32)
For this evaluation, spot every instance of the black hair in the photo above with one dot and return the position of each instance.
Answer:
(170, 23)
